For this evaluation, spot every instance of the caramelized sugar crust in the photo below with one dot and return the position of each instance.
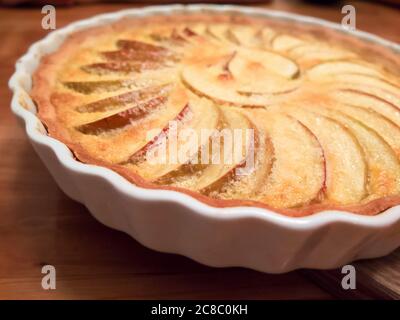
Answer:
(324, 109)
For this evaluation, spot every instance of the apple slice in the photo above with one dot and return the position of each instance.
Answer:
(367, 81)
(298, 172)
(318, 52)
(219, 32)
(369, 97)
(89, 87)
(123, 99)
(132, 55)
(217, 164)
(209, 79)
(253, 78)
(177, 38)
(119, 146)
(141, 46)
(387, 129)
(122, 67)
(188, 32)
(346, 166)
(199, 28)
(204, 117)
(146, 80)
(283, 42)
(123, 118)
(247, 185)
(244, 36)
(339, 67)
(269, 61)
(229, 158)
(383, 165)
(265, 37)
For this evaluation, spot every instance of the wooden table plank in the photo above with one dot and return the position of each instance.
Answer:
(39, 225)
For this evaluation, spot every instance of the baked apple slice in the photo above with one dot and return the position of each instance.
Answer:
(220, 156)
(386, 128)
(180, 37)
(176, 39)
(346, 166)
(219, 32)
(265, 37)
(124, 118)
(214, 78)
(368, 81)
(245, 36)
(283, 42)
(253, 78)
(383, 165)
(189, 33)
(231, 154)
(370, 97)
(377, 93)
(340, 67)
(313, 53)
(132, 55)
(209, 79)
(124, 99)
(141, 46)
(138, 134)
(121, 67)
(182, 144)
(269, 61)
(245, 186)
(90, 87)
(297, 175)
(151, 78)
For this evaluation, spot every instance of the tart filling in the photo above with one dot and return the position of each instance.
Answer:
(233, 110)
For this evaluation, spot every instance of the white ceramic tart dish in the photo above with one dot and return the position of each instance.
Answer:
(322, 103)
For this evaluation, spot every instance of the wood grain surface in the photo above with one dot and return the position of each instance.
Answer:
(39, 225)
(375, 279)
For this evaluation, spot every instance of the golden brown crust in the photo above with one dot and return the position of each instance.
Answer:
(46, 76)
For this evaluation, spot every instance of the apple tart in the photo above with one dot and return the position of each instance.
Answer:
(316, 113)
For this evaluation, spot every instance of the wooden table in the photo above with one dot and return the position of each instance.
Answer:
(39, 225)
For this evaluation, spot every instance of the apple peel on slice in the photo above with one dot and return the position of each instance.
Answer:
(217, 164)
(298, 172)
(367, 94)
(270, 61)
(230, 158)
(245, 36)
(346, 167)
(204, 117)
(123, 118)
(252, 78)
(339, 67)
(247, 185)
(386, 128)
(283, 42)
(208, 82)
(383, 165)
(214, 78)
